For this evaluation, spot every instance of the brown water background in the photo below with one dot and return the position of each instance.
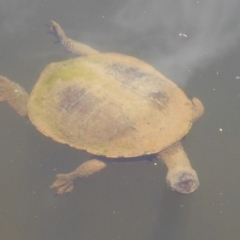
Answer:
(194, 43)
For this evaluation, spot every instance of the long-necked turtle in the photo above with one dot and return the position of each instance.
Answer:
(110, 105)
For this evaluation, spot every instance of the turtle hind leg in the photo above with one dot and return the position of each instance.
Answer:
(14, 94)
(68, 43)
(65, 182)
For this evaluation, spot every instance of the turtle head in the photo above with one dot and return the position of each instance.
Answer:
(182, 180)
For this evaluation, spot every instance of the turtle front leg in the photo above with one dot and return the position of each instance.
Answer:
(180, 177)
(15, 95)
(70, 44)
(65, 182)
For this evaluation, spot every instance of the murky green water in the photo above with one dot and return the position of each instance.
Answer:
(196, 44)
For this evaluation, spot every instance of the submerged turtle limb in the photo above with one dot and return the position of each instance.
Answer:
(180, 177)
(65, 182)
(68, 43)
(14, 94)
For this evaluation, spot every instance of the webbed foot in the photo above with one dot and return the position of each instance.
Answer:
(63, 184)
(56, 31)
(68, 43)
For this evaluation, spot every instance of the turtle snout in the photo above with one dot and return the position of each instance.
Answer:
(183, 181)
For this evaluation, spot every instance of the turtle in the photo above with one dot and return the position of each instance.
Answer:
(115, 107)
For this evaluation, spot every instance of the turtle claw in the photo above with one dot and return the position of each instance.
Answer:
(56, 31)
(63, 184)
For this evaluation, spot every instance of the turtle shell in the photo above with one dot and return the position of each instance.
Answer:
(111, 105)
